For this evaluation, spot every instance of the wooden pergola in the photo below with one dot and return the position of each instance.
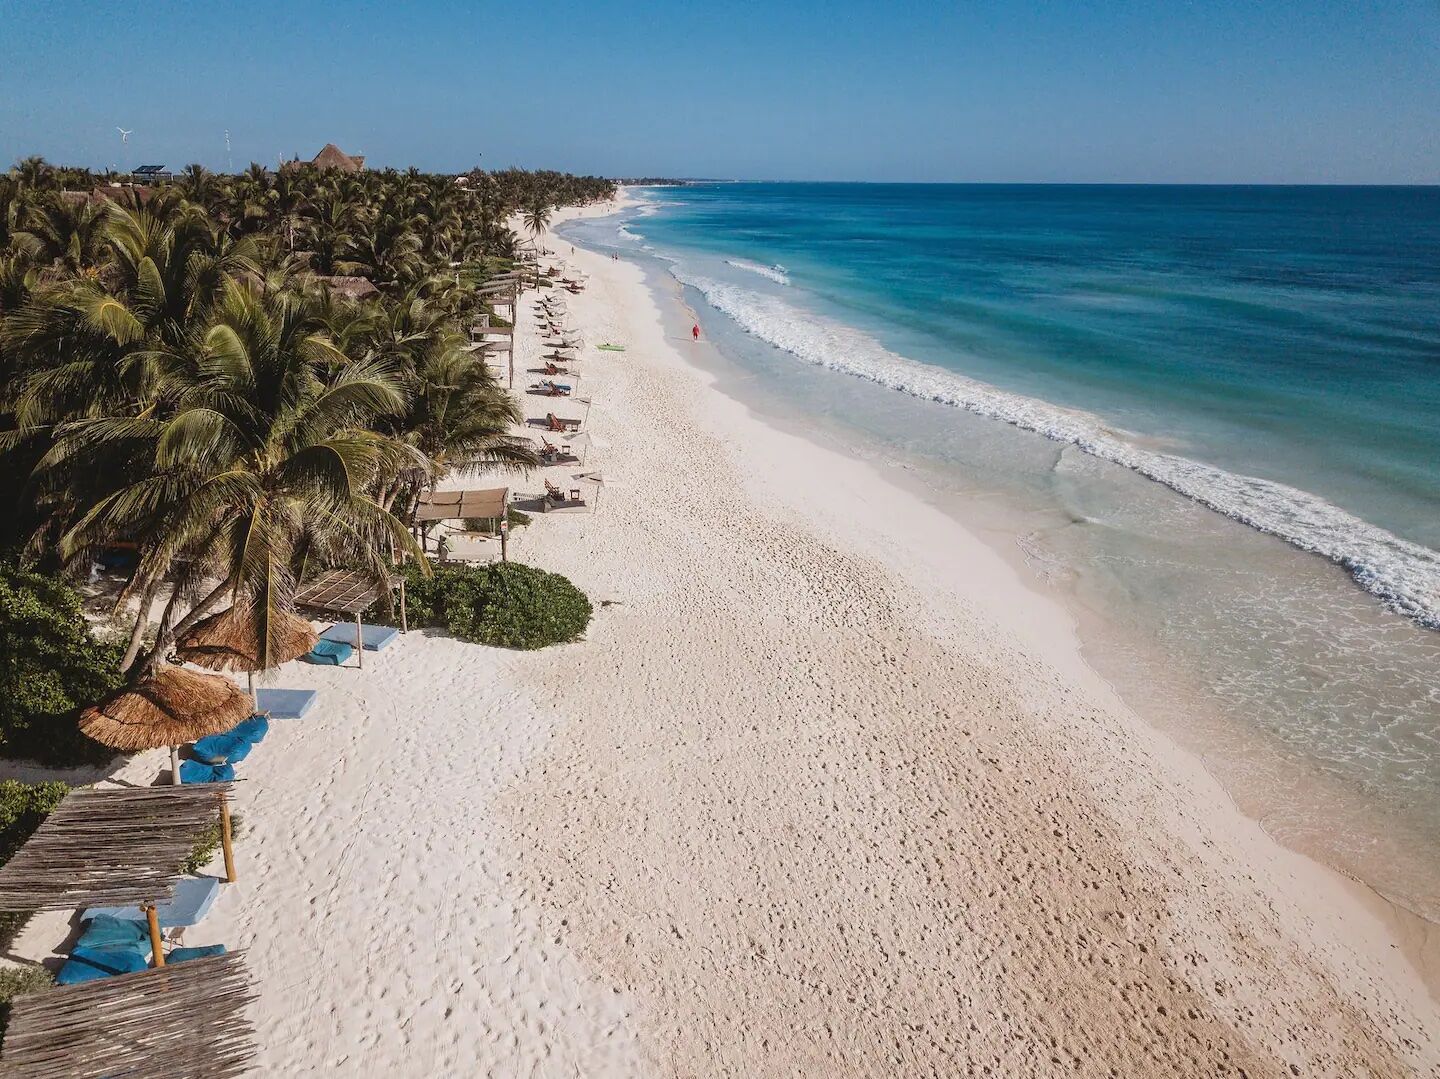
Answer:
(492, 503)
(115, 847)
(349, 592)
(186, 1021)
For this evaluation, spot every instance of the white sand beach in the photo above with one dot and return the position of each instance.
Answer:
(828, 790)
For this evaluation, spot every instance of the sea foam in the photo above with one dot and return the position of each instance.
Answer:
(774, 273)
(1405, 575)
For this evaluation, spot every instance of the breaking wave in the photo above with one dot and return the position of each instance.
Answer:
(1404, 575)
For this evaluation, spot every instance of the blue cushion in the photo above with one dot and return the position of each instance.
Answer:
(375, 637)
(253, 730)
(222, 749)
(285, 703)
(332, 652)
(107, 931)
(91, 964)
(192, 900)
(199, 772)
(204, 951)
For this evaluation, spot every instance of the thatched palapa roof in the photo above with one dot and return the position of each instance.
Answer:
(230, 641)
(357, 288)
(165, 709)
(332, 157)
(185, 1021)
(109, 847)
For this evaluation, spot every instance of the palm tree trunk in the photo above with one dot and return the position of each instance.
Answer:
(142, 619)
(168, 636)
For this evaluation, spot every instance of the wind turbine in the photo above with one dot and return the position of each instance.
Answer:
(124, 142)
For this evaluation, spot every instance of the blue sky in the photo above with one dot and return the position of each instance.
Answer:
(1104, 90)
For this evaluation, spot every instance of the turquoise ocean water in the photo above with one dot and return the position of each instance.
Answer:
(1209, 415)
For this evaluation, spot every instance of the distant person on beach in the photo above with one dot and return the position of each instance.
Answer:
(695, 332)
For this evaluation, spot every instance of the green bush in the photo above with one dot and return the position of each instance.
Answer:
(51, 665)
(506, 605)
(207, 843)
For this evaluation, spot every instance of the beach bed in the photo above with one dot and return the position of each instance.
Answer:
(285, 703)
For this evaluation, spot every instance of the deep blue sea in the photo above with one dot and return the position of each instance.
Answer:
(1211, 415)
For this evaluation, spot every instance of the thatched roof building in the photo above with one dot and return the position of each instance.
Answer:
(356, 288)
(332, 157)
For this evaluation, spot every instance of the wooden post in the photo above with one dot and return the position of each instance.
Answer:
(175, 765)
(250, 685)
(359, 642)
(227, 840)
(505, 539)
(157, 944)
(404, 617)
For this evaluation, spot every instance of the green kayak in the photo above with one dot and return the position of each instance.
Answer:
(611, 348)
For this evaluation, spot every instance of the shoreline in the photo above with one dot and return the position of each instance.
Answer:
(1418, 937)
(1343, 907)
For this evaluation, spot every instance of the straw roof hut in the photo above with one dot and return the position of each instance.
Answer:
(332, 157)
(356, 288)
(165, 709)
(230, 641)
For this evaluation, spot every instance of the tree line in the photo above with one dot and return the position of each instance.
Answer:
(182, 377)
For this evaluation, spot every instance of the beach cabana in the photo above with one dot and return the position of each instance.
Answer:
(351, 593)
(166, 709)
(489, 504)
(116, 847)
(186, 1021)
(229, 641)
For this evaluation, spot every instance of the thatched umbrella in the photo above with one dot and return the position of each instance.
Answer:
(164, 709)
(230, 641)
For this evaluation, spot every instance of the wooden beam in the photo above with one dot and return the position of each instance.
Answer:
(227, 840)
(157, 943)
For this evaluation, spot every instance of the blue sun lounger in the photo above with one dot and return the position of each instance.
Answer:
(375, 637)
(284, 703)
(193, 898)
(332, 652)
(200, 772)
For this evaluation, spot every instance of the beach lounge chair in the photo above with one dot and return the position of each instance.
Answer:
(221, 749)
(253, 729)
(109, 946)
(194, 896)
(553, 493)
(333, 653)
(375, 637)
(285, 703)
(200, 772)
(557, 423)
(92, 964)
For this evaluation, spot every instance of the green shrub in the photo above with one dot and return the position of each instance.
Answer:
(51, 665)
(517, 518)
(207, 843)
(506, 605)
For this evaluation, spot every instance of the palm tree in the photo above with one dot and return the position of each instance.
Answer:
(537, 215)
(61, 232)
(260, 456)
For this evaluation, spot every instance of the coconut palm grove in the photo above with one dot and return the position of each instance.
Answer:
(219, 386)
